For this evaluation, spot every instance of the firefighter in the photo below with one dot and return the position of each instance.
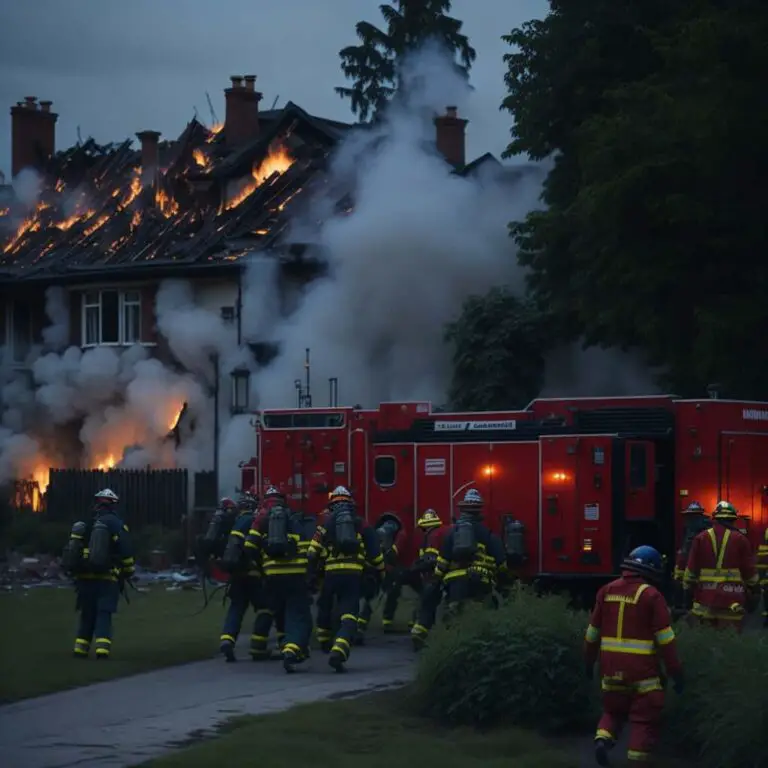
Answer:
(392, 542)
(265, 616)
(696, 521)
(342, 543)
(430, 592)
(283, 541)
(630, 630)
(720, 579)
(471, 556)
(99, 556)
(245, 577)
(762, 572)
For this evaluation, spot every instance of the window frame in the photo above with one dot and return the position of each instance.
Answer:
(393, 458)
(10, 333)
(125, 299)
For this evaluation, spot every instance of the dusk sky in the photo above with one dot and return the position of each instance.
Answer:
(112, 69)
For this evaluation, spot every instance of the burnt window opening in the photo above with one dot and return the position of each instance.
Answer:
(638, 466)
(385, 471)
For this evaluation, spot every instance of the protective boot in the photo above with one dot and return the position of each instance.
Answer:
(227, 649)
(336, 661)
(602, 747)
(290, 660)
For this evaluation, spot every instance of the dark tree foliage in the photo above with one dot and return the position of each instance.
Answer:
(654, 236)
(372, 66)
(499, 343)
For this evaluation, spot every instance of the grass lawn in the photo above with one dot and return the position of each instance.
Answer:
(156, 630)
(376, 731)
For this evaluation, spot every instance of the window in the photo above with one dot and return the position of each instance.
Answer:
(638, 469)
(131, 317)
(111, 317)
(385, 471)
(19, 330)
(302, 420)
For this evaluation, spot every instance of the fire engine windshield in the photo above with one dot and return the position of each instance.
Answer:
(302, 420)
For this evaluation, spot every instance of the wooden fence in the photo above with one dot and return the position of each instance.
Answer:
(147, 496)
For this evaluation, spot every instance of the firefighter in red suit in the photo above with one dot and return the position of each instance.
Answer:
(432, 533)
(695, 521)
(630, 632)
(721, 579)
(762, 572)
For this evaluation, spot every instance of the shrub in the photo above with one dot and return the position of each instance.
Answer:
(32, 534)
(719, 718)
(521, 663)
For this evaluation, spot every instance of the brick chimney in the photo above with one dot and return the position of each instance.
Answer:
(33, 134)
(241, 122)
(449, 137)
(150, 154)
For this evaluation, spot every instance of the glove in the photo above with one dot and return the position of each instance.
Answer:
(589, 670)
(678, 683)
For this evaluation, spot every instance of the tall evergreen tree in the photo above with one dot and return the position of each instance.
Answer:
(372, 65)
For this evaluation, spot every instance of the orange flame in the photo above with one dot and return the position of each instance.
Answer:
(278, 160)
(106, 464)
(135, 189)
(4, 211)
(202, 159)
(98, 224)
(60, 185)
(73, 219)
(135, 219)
(174, 422)
(215, 131)
(167, 205)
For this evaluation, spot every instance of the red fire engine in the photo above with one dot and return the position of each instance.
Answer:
(583, 479)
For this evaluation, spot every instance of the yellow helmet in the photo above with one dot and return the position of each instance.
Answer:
(430, 519)
(725, 511)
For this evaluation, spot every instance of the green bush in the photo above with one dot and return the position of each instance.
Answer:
(521, 663)
(31, 534)
(719, 720)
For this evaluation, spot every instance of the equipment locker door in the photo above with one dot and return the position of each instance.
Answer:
(433, 480)
(639, 479)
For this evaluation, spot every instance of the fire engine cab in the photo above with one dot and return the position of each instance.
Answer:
(571, 485)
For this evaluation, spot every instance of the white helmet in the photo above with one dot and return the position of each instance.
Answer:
(339, 493)
(107, 495)
(472, 498)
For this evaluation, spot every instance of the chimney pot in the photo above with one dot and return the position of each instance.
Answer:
(150, 154)
(241, 121)
(449, 137)
(33, 134)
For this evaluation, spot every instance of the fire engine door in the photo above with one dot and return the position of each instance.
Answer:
(640, 480)
(744, 479)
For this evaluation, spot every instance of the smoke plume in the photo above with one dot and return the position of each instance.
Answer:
(418, 241)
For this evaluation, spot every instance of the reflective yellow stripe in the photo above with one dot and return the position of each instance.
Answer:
(341, 566)
(458, 573)
(604, 735)
(620, 644)
(665, 636)
(633, 754)
(240, 534)
(593, 634)
(618, 685)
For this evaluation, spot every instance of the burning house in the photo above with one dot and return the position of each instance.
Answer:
(108, 226)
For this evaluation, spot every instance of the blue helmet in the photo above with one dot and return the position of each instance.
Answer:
(645, 561)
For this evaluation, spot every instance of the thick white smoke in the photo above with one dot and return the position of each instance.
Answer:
(417, 243)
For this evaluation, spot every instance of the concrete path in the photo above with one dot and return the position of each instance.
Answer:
(123, 722)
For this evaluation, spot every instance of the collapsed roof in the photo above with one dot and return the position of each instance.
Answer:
(193, 201)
